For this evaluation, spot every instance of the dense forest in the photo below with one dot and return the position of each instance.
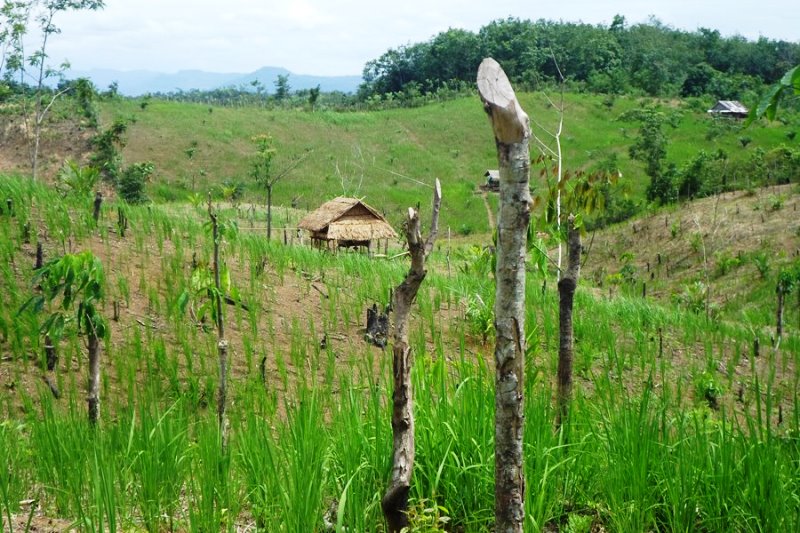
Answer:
(649, 58)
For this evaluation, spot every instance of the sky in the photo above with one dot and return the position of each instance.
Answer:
(337, 37)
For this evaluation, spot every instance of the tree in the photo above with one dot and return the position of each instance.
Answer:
(222, 344)
(650, 148)
(512, 133)
(32, 69)
(107, 144)
(313, 96)
(207, 284)
(85, 94)
(262, 173)
(65, 281)
(261, 170)
(131, 183)
(698, 79)
(282, 87)
(395, 501)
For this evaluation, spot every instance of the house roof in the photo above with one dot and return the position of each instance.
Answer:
(729, 106)
(347, 219)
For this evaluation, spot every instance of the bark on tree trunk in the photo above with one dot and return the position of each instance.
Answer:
(94, 379)
(566, 295)
(395, 501)
(512, 132)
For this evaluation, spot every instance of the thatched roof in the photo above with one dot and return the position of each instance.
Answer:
(347, 219)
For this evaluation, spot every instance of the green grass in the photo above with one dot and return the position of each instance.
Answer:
(641, 451)
(383, 155)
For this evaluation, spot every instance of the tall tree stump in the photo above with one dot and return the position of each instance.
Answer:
(512, 132)
(566, 339)
(395, 501)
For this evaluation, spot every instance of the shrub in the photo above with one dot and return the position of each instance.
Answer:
(132, 181)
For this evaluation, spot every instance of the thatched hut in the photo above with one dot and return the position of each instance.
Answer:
(344, 223)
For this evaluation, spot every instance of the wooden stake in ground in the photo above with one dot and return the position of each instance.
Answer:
(512, 132)
(566, 294)
(222, 344)
(395, 501)
(98, 203)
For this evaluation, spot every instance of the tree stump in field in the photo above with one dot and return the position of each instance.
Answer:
(377, 326)
(512, 133)
(395, 501)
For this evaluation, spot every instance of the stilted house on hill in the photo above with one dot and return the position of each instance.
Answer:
(729, 108)
(346, 223)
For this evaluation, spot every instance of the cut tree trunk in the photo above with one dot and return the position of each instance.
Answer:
(39, 256)
(566, 295)
(512, 132)
(94, 378)
(51, 360)
(395, 501)
(98, 203)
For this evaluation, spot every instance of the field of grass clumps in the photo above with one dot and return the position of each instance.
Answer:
(676, 423)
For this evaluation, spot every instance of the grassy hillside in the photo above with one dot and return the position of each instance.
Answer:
(676, 425)
(383, 155)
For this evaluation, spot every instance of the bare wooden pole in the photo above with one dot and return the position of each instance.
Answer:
(93, 398)
(98, 203)
(566, 295)
(512, 133)
(222, 344)
(395, 501)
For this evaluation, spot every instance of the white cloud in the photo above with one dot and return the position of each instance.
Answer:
(339, 36)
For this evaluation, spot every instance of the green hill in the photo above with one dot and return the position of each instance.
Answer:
(384, 155)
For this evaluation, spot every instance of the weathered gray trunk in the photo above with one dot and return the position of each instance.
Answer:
(512, 132)
(93, 398)
(566, 295)
(395, 501)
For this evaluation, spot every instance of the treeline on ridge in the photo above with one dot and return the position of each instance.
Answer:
(648, 58)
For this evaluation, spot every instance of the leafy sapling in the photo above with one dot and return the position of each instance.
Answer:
(66, 282)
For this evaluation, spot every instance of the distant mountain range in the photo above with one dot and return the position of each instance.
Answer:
(139, 82)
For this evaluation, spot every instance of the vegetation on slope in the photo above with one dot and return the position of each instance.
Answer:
(676, 424)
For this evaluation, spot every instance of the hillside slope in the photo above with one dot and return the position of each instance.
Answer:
(384, 155)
